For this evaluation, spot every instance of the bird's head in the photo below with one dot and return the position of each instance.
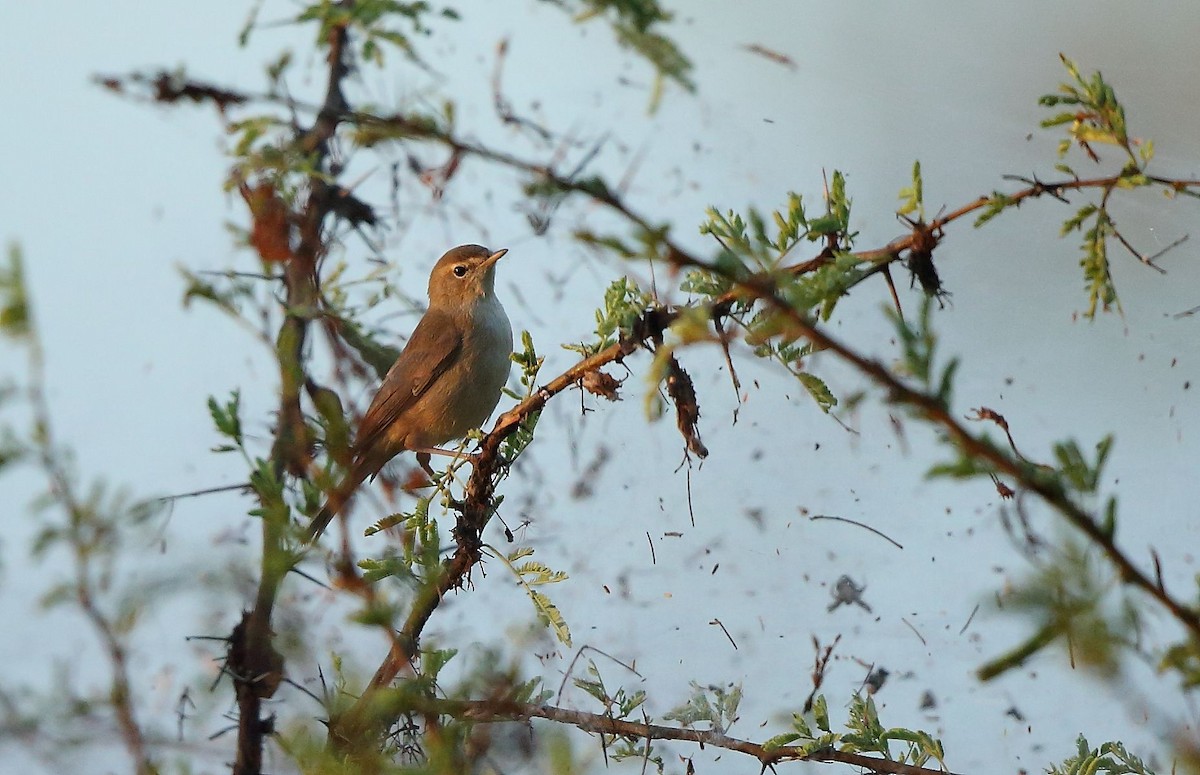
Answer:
(463, 275)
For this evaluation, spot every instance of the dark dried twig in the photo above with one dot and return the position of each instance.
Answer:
(721, 624)
(856, 523)
(821, 658)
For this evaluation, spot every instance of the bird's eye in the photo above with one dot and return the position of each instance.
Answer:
(460, 270)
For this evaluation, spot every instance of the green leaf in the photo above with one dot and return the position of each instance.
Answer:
(624, 302)
(778, 741)
(1058, 120)
(391, 565)
(14, 300)
(593, 688)
(819, 391)
(912, 199)
(536, 574)
(1146, 151)
(1082, 476)
(378, 355)
(821, 714)
(433, 660)
(1076, 221)
(996, 204)
(227, 417)
(549, 615)
(636, 24)
(530, 574)
(1101, 290)
(333, 419)
(1109, 526)
(1096, 117)
(1110, 758)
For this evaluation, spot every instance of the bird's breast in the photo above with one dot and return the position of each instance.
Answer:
(471, 388)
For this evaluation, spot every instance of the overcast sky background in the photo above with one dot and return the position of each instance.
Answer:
(108, 198)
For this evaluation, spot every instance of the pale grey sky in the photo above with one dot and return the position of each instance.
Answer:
(108, 197)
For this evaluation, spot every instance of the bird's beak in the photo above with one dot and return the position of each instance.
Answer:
(493, 258)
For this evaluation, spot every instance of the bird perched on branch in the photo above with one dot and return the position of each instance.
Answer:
(446, 381)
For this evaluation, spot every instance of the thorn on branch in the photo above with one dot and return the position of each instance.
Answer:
(1038, 188)
(1172, 246)
(1147, 260)
(1158, 572)
(1186, 313)
(887, 275)
(723, 338)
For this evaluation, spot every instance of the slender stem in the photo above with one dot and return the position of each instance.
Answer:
(82, 535)
(255, 664)
(490, 711)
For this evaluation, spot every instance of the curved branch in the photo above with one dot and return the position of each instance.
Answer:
(490, 711)
(475, 511)
(978, 448)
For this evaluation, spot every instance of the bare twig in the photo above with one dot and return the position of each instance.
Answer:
(970, 619)
(856, 523)
(821, 657)
(721, 624)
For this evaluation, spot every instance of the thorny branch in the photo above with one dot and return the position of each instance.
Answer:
(475, 510)
(978, 448)
(922, 238)
(919, 239)
(489, 711)
(474, 513)
(252, 660)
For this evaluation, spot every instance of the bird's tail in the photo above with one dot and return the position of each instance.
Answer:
(334, 504)
(319, 523)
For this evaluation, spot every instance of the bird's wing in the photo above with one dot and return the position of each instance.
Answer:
(430, 350)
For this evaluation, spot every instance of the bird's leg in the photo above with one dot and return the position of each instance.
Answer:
(454, 453)
(424, 453)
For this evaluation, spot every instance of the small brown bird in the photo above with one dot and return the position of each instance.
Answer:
(445, 382)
